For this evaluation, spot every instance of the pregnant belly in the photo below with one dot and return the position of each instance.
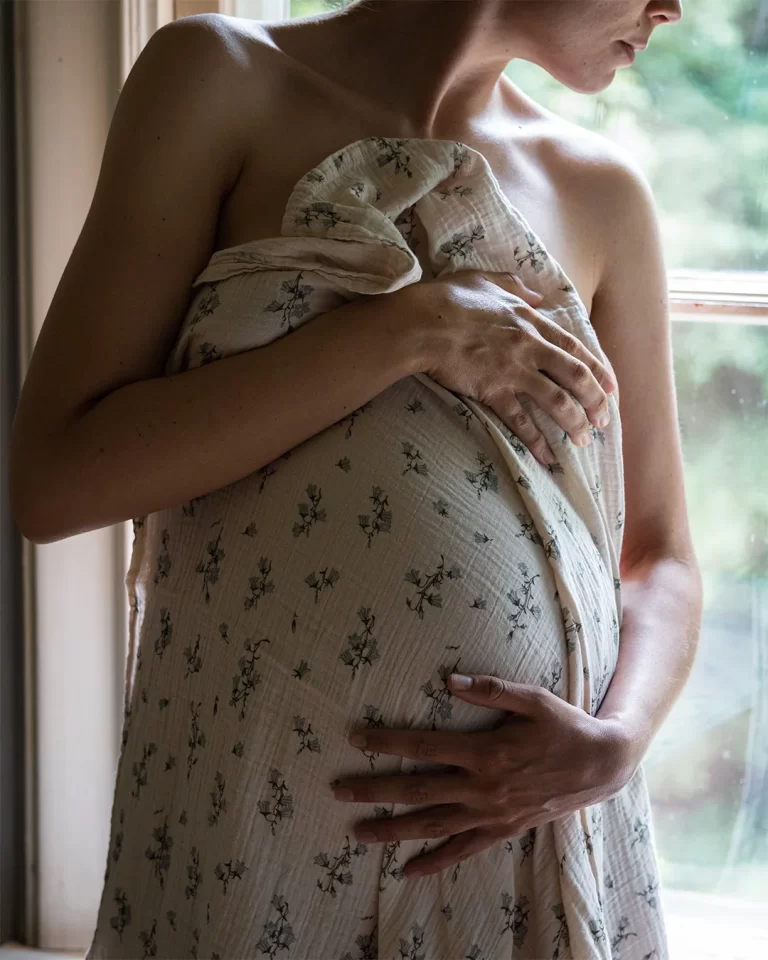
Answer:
(346, 580)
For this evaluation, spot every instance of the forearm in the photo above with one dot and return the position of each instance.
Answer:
(158, 443)
(662, 608)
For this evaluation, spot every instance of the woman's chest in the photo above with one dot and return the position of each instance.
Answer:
(255, 206)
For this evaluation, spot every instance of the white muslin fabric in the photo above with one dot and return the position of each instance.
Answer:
(337, 588)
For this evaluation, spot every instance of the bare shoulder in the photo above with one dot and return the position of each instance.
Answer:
(608, 175)
(247, 44)
(221, 39)
(210, 52)
(576, 148)
(264, 79)
(238, 34)
(238, 55)
(606, 187)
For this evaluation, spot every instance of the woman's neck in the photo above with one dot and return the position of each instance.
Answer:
(433, 65)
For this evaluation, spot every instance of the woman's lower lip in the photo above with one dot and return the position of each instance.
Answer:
(630, 51)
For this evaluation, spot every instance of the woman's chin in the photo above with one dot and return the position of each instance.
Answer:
(594, 82)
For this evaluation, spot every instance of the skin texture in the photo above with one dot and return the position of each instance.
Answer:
(264, 103)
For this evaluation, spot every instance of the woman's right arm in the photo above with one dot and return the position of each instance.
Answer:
(160, 442)
(101, 435)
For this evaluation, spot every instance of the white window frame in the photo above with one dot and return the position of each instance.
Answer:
(724, 297)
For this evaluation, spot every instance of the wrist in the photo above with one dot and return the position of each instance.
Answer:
(415, 321)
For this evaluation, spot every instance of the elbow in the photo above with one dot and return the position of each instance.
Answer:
(37, 527)
(47, 498)
(28, 499)
(27, 516)
(638, 560)
(34, 523)
(44, 505)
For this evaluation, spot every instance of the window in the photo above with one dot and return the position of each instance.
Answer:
(694, 112)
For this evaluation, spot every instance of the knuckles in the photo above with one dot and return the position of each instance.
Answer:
(516, 334)
(579, 373)
(417, 794)
(434, 829)
(495, 687)
(493, 760)
(498, 793)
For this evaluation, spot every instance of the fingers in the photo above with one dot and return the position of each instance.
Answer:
(512, 283)
(541, 359)
(561, 407)
(510, 410)
(564, 371)
(458, 848)
(570, 362)
(523, 698)
(439, 746)
(411, 790)
(440, 821)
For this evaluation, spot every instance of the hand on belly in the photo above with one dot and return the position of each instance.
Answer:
(547, 759)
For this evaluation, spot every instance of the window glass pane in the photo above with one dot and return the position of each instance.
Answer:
(708, 767)
(303, 8)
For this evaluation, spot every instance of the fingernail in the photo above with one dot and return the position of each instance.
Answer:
(342, 793)
(356, 739)
(460, 681)
(548, 456)
(603, 420)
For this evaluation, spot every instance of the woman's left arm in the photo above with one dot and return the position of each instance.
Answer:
(661, 580)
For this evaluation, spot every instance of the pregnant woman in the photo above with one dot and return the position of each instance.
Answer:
(344, 334)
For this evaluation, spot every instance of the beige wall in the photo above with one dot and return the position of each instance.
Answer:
(186, 8)
(73, 56)
(68, 83)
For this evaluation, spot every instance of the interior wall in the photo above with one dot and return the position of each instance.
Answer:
(186, 8)
(69, 81)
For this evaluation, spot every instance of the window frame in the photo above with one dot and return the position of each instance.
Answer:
(724, 296)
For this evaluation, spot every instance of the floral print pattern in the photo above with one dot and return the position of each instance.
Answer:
(339, 586)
